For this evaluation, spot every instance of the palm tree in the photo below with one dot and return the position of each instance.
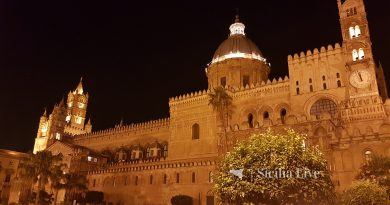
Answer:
(40, 168)
(74, 184)
(222, 104)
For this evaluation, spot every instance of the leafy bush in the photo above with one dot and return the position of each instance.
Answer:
(364, 193)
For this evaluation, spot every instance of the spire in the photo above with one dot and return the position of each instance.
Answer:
(237, 19)
(62, 102)
(237, 28)
(89, 121)
(121, 122)
(79, 90)
(45, 113)
(380, 66)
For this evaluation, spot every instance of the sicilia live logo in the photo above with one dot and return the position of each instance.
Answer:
(280, 173)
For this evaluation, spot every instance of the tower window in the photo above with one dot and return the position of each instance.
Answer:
(352, 32)
(297, 91)
(355, 55)
(195, 131)
(265, 115)
(338, 83)
(223, 81)
(361, 54)
(151, 179)
(310, 80)
(357, 31)
(193, 177)
(67, 119)
(177, 178)
(324, 86)
(337, 75)
(297, 83)
(250, 120)
(246, 80)
(136, 180)
(323, 77)
(283, 114)
(311, 88)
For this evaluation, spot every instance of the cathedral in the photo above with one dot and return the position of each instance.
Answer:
(335, 94)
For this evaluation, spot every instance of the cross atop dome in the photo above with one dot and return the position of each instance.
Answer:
(237, 28)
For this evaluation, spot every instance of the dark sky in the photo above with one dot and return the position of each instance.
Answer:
(134, 56)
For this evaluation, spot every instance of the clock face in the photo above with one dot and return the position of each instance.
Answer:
(360, 78)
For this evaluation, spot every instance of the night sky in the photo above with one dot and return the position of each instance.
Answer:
(134, 56)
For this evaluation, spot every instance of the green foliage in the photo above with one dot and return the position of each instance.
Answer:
(181, 200)
(74, 183)
(94, 197)
(377, 170)
(271, 151)
(41, 167)
(364, 193)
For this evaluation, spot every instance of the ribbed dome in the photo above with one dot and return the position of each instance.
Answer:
(237, 45)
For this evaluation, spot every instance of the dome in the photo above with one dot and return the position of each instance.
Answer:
(237, 45)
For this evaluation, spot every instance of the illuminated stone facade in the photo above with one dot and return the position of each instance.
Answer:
(336, 95)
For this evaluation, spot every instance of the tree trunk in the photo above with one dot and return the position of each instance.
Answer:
(38, 192)
(55, 196)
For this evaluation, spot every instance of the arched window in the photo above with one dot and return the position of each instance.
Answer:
(250, 120)
(297, 83)
(337, 75)
(324, 85)
(352, 32)
(323, 105)
(177, 178)
(357, 31)
(297, 91)
(165, 179)
(310, 80)
(148, 152)
(165, 152)
(151, 179)
(211, 177)
(266, 115)
(283, 114)
(361, 54)
(193, 177)
(311, 88)
(195, 131)
(136, 180)
(323, 77)
(355, 55)
(338, 83)
(367, 156)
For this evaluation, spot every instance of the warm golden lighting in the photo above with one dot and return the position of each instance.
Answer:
(253, 56)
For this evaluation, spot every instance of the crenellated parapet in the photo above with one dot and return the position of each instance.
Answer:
(189, 98)
(312, 55)
(73, 130)
(269, 87)
(133, 127)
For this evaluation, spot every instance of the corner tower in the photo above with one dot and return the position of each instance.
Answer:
(237, 61)
(360, 63)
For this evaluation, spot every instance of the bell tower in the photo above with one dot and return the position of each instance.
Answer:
(360, 63)
(77, 107)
